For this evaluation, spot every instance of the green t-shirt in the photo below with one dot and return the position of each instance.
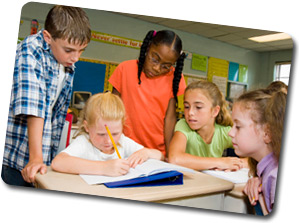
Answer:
(196, 146)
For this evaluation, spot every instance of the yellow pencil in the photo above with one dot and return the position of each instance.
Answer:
(112, 140)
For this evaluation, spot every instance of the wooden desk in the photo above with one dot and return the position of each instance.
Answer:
(236, 201)
(199, 190)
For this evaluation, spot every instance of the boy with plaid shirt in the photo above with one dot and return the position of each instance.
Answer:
(41, 92)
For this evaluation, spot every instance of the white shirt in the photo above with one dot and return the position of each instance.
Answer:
(81, 147)
(61, 81)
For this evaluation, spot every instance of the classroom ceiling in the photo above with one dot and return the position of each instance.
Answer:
(236, 36)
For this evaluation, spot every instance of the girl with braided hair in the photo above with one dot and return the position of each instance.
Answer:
(202, 136)
(149, 88)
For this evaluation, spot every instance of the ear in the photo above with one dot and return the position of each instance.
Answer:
(47, 37)
(85, 124)
(215, 111)
(267, 135)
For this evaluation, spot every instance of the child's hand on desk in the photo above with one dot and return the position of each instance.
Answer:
(31, 169)
(230, 164)
(138, 157)
(117, 167)
(252, 189)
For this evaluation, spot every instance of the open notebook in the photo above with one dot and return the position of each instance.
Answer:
(148, 168)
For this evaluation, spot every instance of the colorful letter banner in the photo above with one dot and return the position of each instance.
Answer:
(116, 40)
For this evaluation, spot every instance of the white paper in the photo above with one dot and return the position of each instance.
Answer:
(240, 176)
(147, 168)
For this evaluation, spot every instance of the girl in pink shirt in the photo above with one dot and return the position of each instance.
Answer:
(258, 118)
(149, 88)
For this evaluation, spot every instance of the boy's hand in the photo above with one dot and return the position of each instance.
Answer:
(31, 169)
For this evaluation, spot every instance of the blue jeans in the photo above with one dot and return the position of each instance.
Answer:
(13, 176)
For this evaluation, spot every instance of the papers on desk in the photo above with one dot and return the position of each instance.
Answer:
(240, 176)
(148, 168)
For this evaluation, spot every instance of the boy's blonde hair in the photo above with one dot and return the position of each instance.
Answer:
(212, 92)
(266, 108)
(107, 106)
(68, 23)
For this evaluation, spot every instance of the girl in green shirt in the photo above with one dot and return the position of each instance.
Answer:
(202, 136)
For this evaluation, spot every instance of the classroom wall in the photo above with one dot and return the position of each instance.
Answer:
(260, 65)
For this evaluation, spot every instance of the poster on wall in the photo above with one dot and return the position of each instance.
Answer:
(218, 73)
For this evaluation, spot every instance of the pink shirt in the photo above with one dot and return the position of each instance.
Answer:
(146, 104)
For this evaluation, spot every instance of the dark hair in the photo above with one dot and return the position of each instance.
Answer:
(168, 38)
(70, 23)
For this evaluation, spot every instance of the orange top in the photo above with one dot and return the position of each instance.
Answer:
(145, 104)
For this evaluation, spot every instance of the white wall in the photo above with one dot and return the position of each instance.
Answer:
(260, 65)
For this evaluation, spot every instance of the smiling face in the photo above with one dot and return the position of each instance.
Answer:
(64, 52)
(198, 109)
(249, 139)
(99, 137)
(159, 60)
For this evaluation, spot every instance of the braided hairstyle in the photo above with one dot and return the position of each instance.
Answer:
(168, 38)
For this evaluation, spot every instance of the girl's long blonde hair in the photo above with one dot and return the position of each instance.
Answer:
(214, 94)
(107, 106)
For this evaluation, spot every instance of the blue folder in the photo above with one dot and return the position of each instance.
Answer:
(159, 179)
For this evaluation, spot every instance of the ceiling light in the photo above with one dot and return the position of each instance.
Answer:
(270, 38)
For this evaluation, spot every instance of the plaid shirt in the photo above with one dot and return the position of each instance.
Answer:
(34, 89)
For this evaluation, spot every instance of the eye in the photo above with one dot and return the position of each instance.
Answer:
(186, 106)
(115, 134)
(165, 67)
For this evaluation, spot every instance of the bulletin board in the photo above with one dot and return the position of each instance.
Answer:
(109, 71)
(89, 76)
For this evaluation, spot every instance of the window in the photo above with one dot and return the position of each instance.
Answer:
(282, 72)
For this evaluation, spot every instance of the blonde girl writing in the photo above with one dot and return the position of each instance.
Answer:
(92, 151)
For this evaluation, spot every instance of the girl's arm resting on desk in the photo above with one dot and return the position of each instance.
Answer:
(65, 163)
(177, 155)
(144, 154)
(35, 133)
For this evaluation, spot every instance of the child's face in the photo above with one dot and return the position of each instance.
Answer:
(248, 138)
(64, 52)
(198, 109)
(159, 60)
(99, 137)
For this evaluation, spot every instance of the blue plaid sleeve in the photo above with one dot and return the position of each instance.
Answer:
(28, 90)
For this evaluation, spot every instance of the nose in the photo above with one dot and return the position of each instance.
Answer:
(157, 68)
(231, 132)
(107, 139)
(75, 57)
(191, 111)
